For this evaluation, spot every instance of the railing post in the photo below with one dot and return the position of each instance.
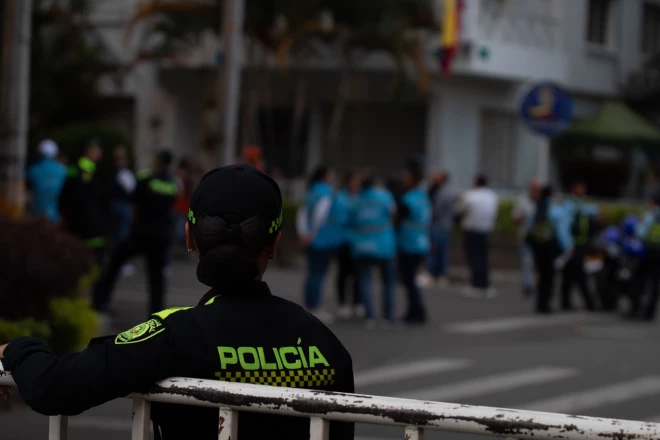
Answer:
(319, 429)
(141, 419)
(228, 424)
(57, 427)
(414, 433)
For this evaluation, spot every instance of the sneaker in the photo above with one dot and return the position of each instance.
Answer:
(344, 312)
(359, 311)
(423, 279)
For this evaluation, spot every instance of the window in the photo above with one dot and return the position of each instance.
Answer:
(499, 147)
(651, 28)
(598, 24)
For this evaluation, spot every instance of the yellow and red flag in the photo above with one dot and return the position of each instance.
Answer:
(450, 33)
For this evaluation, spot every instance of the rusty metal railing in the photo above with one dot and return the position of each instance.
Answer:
(322, 407)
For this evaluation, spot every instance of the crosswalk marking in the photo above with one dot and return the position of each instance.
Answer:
(490, 384)
(598, 397)
(391, 373)
(487, 326)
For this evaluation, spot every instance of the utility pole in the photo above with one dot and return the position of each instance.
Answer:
(15, 35)
(229, 87)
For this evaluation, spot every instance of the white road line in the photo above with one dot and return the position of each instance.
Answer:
(495, 383)
(390, 373)
(598, 397)
(485, 326)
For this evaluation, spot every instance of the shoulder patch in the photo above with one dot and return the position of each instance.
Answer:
(140, 332)
(167, 312)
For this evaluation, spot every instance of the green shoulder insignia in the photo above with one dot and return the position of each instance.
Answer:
(167, 312)
(140, 332)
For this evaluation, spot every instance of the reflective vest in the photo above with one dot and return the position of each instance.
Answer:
(329, 234)
(373, 233)
(414, 230)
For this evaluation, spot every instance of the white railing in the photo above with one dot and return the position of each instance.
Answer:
(322, 407)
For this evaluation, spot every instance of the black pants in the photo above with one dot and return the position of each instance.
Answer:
(649, 272)
(574, 274)
(476, 249)
(347, 273)
(408, 266)
(544, 261)
(155, 252)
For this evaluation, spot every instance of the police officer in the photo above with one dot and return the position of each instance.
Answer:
(151, 234)
(548, 236)
(581, 218)
(238, 332)
(80, 201)
(374, 244)
(414, 242)
(649, 231)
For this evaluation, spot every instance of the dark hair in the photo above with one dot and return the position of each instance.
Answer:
(348, 176)
(164, 157)
(368, 181)
(185, 163)
(416, 174)
(543, 204)
(319, 174)
(481, 180)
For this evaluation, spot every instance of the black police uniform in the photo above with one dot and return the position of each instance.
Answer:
(151, 235)
(237, 333)
(80, 205)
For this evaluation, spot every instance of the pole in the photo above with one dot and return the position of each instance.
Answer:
(229, 91)
(14, 103)
(544, 160)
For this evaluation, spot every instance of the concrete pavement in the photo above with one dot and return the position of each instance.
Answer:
(486, 352)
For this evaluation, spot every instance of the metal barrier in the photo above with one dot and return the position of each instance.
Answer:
(321, 407)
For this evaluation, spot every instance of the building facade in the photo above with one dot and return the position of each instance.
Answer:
(467, 123)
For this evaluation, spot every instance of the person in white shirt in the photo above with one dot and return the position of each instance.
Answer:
(478, 209)
(523, 211)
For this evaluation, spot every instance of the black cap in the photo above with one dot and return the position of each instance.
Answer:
(241, 191)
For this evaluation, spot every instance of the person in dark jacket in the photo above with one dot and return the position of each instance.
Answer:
(80, 201)
(151, 233)
(238, 332)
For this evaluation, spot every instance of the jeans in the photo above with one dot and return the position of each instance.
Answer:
(476, 249)
(574, 274)
(527, 266)
(408, 266)
(387, 268)
(439, 255)
(544, 259)
(318, 261)
(122, 216)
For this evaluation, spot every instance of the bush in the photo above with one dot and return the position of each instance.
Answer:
(42, 273)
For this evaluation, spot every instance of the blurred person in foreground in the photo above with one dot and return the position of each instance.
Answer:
(373, 243)
(80, 201)
(523, 212)
(319, 226)
(414, 224)
(150, 235)
(45, 180)
(649, 269)
(478, 209)
(548, 237)
(443, 200)
(581, 217)
(238, 332)
(347, 272)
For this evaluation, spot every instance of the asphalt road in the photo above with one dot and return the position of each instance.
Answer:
(484, 352)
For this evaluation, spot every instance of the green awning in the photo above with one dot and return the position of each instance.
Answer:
(613, 124)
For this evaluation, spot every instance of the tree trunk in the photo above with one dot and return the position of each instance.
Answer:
(15, 33)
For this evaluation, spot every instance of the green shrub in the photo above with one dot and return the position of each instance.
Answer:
(10, 330)
(73, 323)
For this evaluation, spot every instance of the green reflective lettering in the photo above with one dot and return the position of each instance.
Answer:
(277, 359)
(227, 356)
(289, 365)
(265, 365)
(254, 365)
(302, 356)
(315, 357)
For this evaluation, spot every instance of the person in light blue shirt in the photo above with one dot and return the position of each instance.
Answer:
(548, 236)
(373, 243)
(649, 270)
(347, 272)
(414, 240)
(45, 180)
(581, 218)
(322, 234)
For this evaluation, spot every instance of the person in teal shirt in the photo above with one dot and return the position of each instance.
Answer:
(45, 180)
(581, 219)
(373, 243)
(649, 270)
(414, 239)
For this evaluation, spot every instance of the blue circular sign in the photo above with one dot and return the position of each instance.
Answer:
(547, 109)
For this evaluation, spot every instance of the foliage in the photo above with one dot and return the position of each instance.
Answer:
(67, 60)
(10, 330)
(73, 323)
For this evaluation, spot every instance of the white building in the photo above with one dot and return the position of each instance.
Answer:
(467, 123)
